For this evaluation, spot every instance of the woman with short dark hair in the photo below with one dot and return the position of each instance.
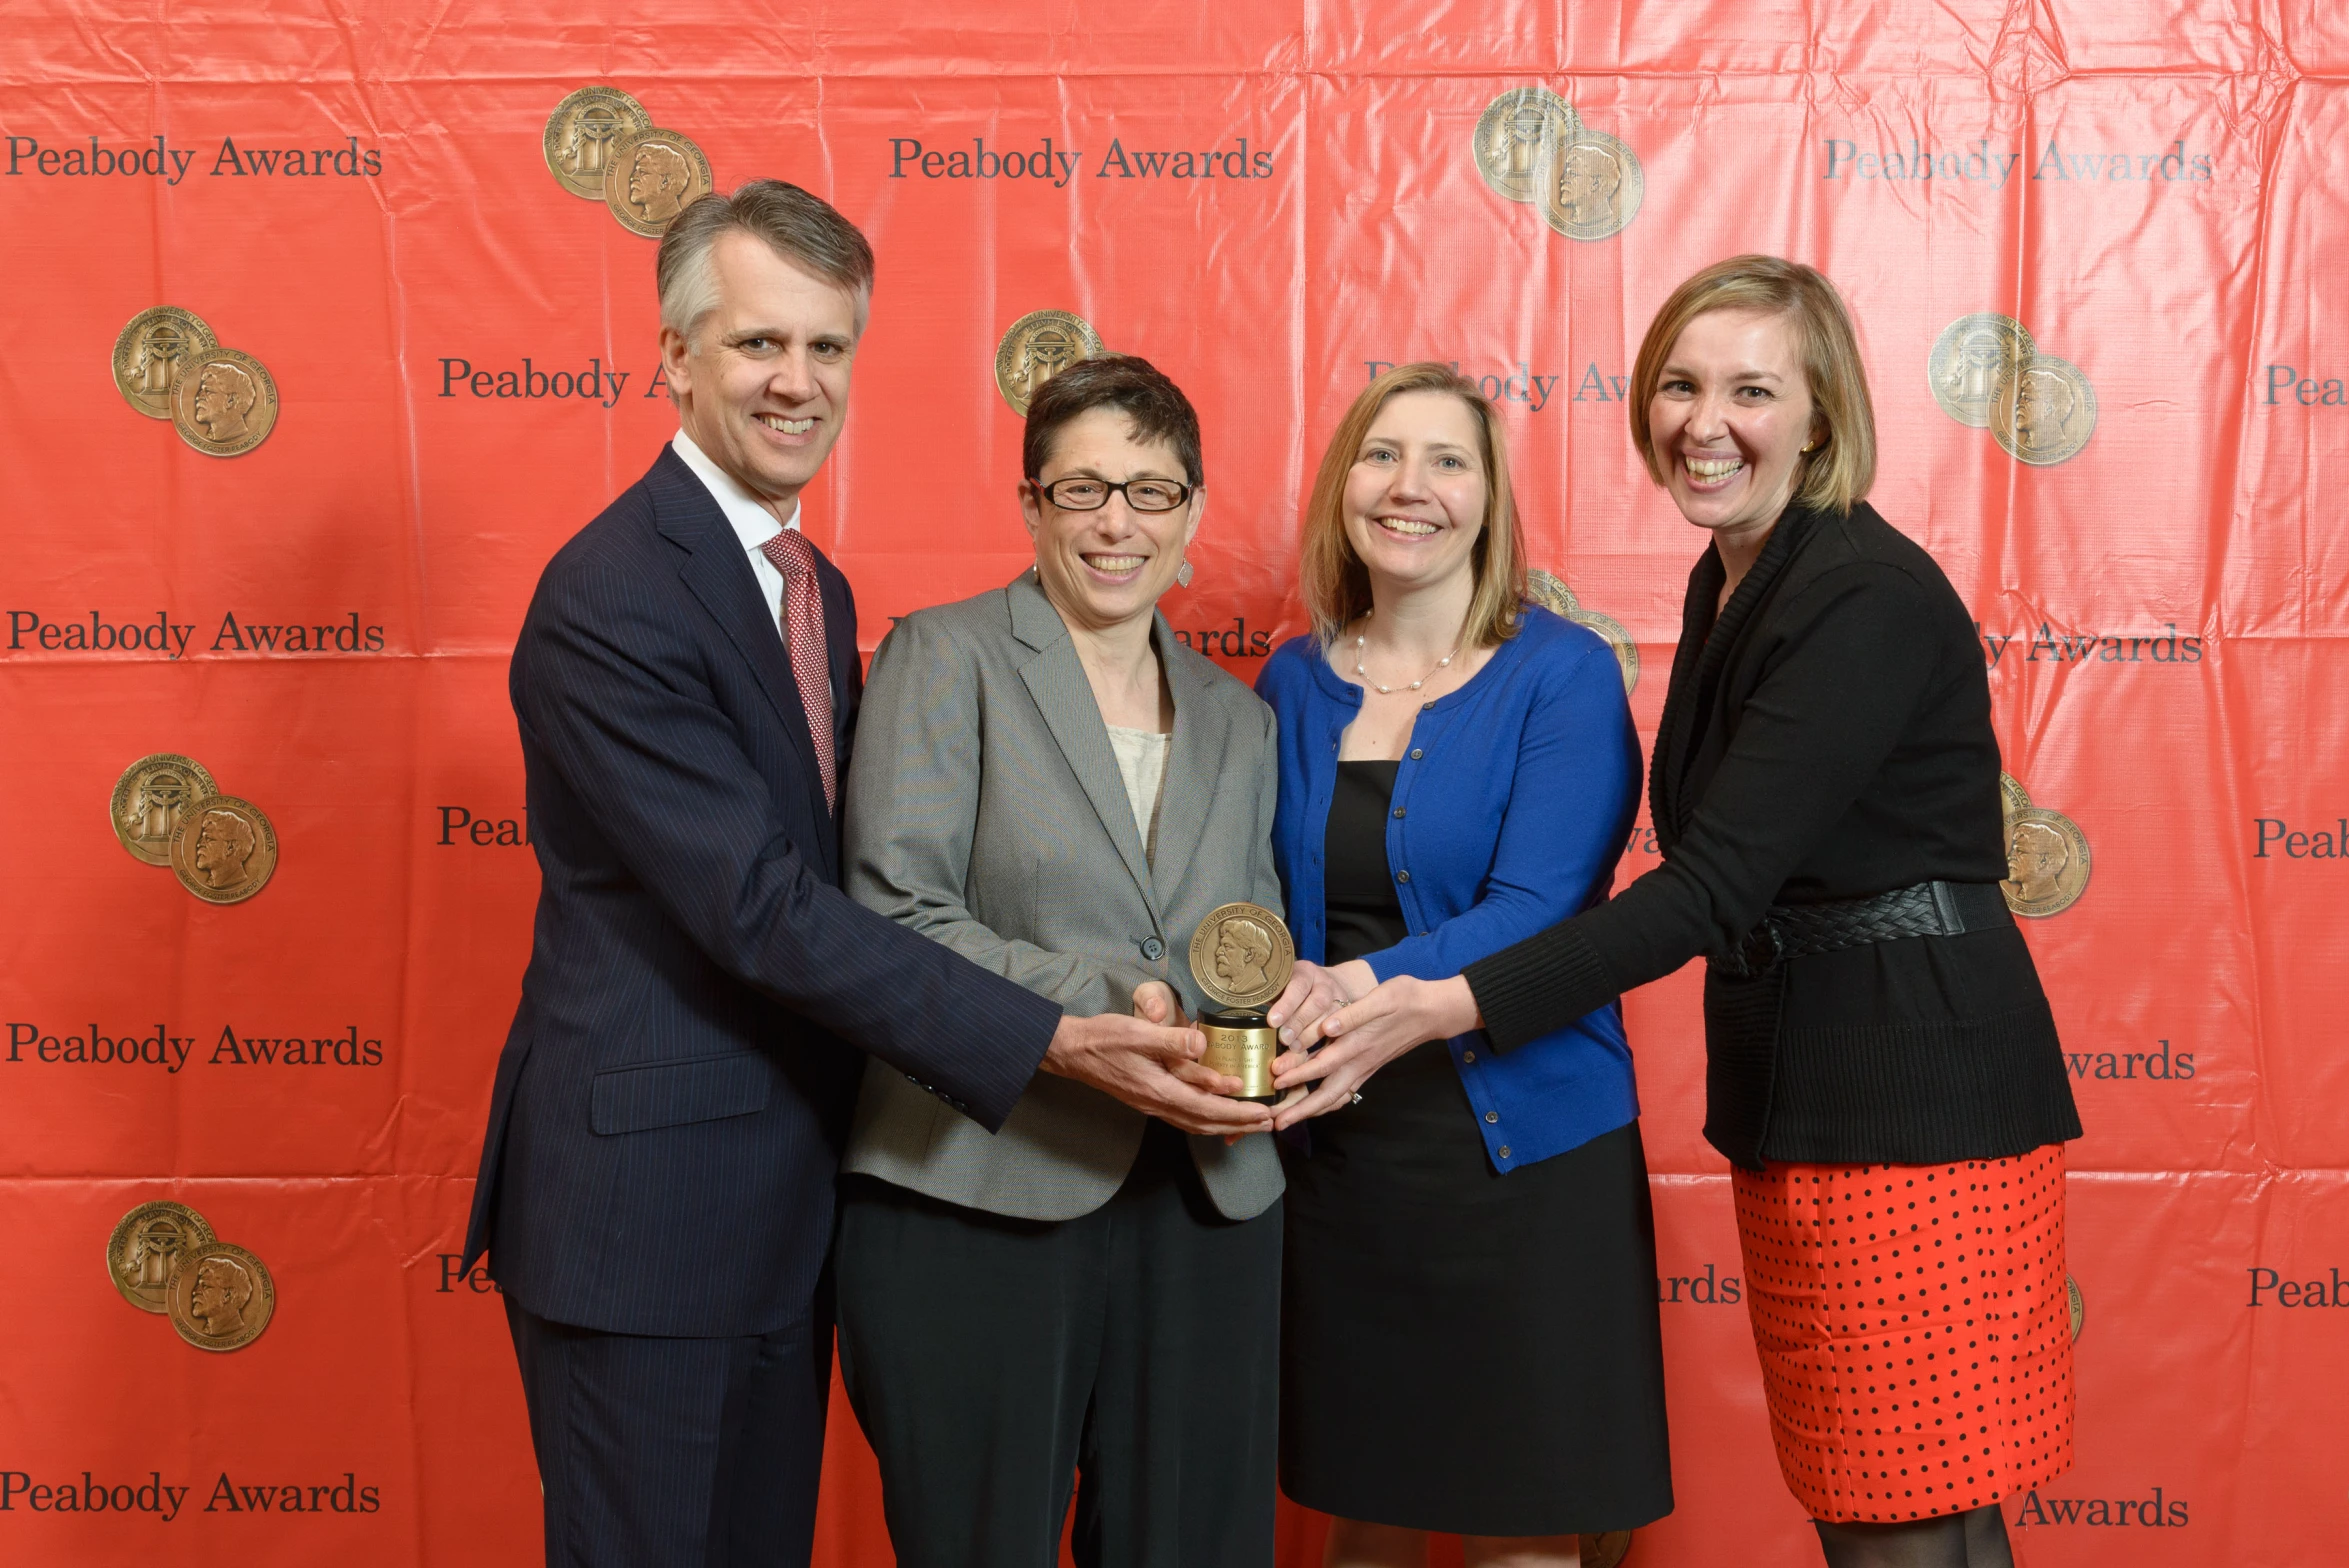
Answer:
(1051, 784)
(1882, 1067)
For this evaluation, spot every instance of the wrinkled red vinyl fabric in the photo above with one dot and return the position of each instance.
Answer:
(1271, 201)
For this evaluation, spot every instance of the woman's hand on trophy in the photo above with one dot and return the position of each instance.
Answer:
(1156, 1070)
(1155, 1002)
(1312, 994)
(1364, 1036)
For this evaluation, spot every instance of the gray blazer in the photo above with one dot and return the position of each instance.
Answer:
(985, 808)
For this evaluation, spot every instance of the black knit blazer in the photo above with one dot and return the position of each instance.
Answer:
(1826, 737)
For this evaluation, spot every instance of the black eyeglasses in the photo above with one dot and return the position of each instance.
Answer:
(1091, 495)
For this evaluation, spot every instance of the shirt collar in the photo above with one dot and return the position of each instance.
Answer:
(752, 523)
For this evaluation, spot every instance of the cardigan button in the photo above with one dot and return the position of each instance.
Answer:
(1416, 754)
(1468, 1056)
(1402, 876)
(1398, 813)
(1504, 1151)
(1492, 1116)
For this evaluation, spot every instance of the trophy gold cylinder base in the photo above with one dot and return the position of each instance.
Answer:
(1243, 1045)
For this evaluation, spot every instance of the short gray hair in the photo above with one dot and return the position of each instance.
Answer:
(802, 228)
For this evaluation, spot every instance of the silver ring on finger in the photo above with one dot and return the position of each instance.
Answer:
(1357, 1099)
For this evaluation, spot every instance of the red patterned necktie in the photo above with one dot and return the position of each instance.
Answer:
(803, 634)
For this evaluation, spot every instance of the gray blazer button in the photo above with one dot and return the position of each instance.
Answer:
(1492, 1116)
(1153, 949)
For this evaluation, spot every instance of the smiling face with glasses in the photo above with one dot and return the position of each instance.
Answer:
(1111, 516)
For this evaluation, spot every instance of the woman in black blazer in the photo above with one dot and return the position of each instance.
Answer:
(1882, 1068)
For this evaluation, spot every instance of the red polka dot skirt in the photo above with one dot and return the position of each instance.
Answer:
(1914, 1330)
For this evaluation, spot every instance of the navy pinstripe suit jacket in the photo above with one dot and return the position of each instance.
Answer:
(674, 1095)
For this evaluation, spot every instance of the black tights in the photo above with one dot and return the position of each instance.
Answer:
(1976, 1539)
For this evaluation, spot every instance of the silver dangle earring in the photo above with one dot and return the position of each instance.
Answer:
(1183, 573)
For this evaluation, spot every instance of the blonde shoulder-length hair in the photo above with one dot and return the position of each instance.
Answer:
(1843, 466)
(1336, 585)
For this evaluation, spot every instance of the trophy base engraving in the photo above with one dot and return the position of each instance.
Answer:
(1243, 1045)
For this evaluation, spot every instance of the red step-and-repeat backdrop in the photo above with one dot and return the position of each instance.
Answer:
(300, 567)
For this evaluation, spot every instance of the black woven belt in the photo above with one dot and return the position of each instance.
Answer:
(1928, 909)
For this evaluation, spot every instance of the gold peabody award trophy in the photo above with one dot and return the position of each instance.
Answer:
(1241, 956)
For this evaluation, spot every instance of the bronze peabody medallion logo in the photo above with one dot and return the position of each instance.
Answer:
(220, 1297)
(152, 351)
(149, 799)
(2047, 862)
(1037, 347)
(653, 175)
(1971, 359)
(164, 1258)
(582, 133)
(2044, 412)
(1530, 145)
(1988, 373)
(223, 850)
(147, 1243)
(225, 403)
(2076, 1306)
(1517, 138)
(1553, 595)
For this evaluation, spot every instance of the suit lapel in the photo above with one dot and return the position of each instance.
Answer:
(717, 572)
(1056, 680)
(1194, 765)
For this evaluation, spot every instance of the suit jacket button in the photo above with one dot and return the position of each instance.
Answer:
(1153, 949)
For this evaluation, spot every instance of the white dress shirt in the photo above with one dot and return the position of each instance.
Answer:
(752, 523)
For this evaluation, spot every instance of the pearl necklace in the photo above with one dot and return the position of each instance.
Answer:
(1385, 691)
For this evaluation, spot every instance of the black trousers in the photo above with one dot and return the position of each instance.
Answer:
(676, 1453)
(993, 1361)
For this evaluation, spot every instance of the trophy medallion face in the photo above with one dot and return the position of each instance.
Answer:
(1241, 956)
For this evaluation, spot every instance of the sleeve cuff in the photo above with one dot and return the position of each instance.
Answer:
(1539, 986)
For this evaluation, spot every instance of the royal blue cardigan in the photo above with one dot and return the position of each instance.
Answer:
(1511, 807)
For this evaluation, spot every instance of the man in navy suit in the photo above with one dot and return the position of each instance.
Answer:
(656, 1183)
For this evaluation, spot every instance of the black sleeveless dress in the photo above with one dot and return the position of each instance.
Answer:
(1462, 1351)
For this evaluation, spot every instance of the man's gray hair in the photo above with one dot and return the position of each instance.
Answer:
(804, 229)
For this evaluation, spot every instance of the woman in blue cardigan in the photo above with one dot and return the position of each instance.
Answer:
(1469, 1342)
